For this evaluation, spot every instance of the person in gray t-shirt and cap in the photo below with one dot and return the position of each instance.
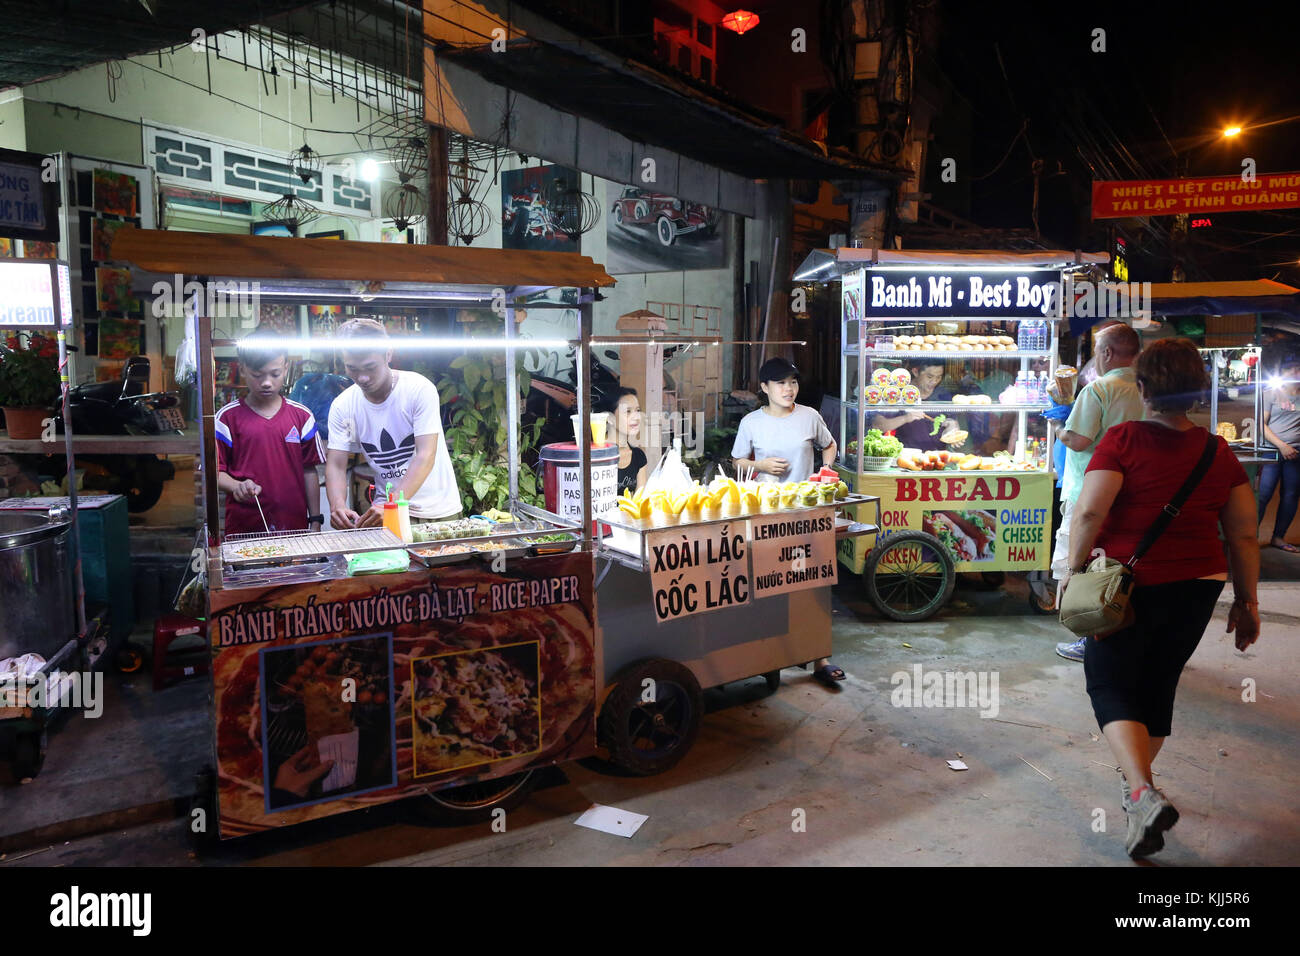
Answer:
(778, 441)
(1282, 430)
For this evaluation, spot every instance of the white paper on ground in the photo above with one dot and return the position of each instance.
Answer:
(622, 823)
(957, 765)
(342, 749)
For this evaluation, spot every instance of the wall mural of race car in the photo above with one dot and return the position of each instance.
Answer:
(526, 220)
(649, 231)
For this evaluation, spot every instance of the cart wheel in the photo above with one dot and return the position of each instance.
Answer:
(909, 576)
(129, 660)
(773, 679)
(652, 716)
(29, 755)
(475, 802)
(1042, 593)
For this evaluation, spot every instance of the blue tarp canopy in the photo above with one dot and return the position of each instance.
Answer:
(1224, 298)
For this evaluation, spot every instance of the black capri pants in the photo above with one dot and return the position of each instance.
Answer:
(1133, 673)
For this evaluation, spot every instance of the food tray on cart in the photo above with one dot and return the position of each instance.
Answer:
(555, 543)
(278, 548)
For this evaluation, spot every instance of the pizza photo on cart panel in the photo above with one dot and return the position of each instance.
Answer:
(475, 707)
(327, 720)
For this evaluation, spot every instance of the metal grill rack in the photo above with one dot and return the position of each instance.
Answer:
(300, 547)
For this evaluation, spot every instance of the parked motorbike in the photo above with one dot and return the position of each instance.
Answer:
(125, 408)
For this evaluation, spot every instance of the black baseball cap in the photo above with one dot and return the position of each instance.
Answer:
(776, 370)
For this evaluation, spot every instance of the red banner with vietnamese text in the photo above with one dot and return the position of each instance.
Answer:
(1123, 199)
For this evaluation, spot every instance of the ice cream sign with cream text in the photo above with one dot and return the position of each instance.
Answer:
(924, 294)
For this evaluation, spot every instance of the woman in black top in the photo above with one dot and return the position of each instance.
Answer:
(624, 427)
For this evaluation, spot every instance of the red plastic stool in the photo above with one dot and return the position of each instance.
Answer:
(166, 629)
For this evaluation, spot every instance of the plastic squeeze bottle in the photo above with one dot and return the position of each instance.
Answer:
(391, 520)
(404, 518)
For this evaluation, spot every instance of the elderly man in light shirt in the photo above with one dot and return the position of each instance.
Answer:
(1110, 400)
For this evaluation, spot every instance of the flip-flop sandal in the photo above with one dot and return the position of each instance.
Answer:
(1288, 548)
(826, 674)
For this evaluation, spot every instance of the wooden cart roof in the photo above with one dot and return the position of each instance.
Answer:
(269, 257)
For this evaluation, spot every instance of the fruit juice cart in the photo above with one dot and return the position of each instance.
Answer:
(376, 674)
(990, 319)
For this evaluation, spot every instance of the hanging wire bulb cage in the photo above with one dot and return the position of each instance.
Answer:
(411, 155)
(306, 163)
(572, 211)
(464, 175)
(291, 211)
(468, 219)
(405, 205)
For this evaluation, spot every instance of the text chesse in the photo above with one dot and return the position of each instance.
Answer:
(75, 909)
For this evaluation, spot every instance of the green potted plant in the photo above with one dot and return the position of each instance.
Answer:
(29, 382)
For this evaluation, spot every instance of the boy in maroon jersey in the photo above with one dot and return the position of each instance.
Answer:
(268, 447)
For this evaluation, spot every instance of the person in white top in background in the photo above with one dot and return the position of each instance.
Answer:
(391, 417)
(778, 441)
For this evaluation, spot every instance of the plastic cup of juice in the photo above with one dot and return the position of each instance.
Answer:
(599, 422)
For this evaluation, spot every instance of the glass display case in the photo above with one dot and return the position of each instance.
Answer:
(975, 386)
(1233, 405)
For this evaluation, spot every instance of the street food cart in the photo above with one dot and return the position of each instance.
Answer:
(486, 658)
(1233, 352)
(991, 319)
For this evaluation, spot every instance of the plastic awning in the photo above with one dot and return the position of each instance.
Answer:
(822, 265)
(268, 257)
(1224, 298)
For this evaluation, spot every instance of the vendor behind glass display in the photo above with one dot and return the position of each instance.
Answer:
(911, 426)
(778, 439)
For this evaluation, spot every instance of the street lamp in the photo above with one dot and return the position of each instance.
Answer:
(1232, 131)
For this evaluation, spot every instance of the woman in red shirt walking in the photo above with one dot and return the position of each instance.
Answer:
(1136, 470)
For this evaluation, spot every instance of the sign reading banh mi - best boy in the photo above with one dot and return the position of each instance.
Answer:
(903, 294)
(29, 199)
(338, 695)
(793, 552)
(1121, 199)
(987, 522)
(698, 568)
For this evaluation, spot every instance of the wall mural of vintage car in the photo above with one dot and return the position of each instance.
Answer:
(649, 231)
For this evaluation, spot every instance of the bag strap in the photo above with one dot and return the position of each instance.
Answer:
(1173, 509)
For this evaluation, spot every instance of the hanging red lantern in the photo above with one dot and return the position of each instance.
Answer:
(740, 21)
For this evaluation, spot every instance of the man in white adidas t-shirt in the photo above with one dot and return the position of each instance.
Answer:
(391, 417)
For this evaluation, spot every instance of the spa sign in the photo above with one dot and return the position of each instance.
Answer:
(924, 294)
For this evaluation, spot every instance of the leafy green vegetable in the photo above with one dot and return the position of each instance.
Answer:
(878, 445)
(938, 423)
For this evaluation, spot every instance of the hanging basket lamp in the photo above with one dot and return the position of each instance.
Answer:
(468, 219)
(405, 206)
(306, 163)
(572, 211)
(292, 212)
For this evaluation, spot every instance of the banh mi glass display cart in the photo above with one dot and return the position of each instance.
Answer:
(974, 494)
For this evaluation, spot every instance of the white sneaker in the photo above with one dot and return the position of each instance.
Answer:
(1148, 819)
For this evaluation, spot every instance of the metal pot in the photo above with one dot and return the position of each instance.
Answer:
(36, 592)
